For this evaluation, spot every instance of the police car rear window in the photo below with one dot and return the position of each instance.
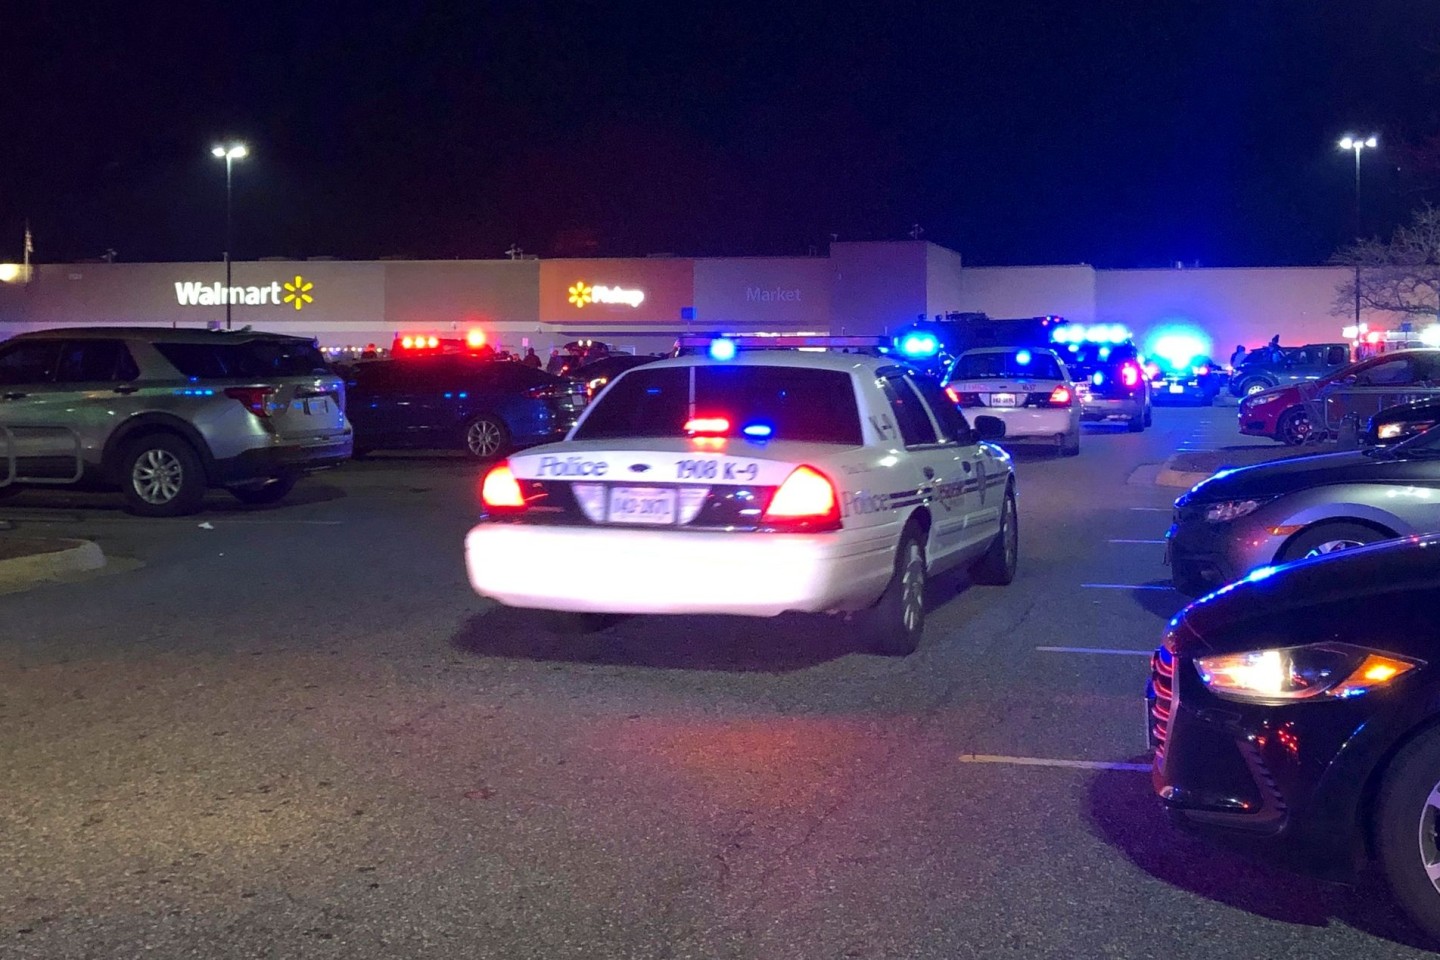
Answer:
(812, 406)
(1021, 363)
(253, 358)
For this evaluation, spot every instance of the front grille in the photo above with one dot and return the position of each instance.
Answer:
(1162, 681)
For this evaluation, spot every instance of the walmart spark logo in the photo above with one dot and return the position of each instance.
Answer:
(580, 293)
(298, 292)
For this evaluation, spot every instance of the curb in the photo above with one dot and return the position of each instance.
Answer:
(52, 559)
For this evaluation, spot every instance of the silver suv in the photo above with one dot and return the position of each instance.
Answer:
(166, 414)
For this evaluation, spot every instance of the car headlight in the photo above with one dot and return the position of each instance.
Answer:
(1230, 510)
(1260, 401)
(1281, 674)
(1392, 431)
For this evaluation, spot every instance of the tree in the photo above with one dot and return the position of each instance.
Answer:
(1400, 275)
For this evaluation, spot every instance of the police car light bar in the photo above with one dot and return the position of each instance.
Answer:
(783, 342)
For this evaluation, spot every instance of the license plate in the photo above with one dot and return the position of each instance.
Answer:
(642, 505)
(1002, 399)
(1176, 388)
(313, 407)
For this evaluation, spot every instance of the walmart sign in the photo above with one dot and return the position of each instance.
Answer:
(295, 293)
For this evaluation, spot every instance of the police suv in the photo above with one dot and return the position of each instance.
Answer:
(754, 483)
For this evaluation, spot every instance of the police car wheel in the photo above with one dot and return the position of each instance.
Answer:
(894, 625)
(998, 566)
(1070, 444)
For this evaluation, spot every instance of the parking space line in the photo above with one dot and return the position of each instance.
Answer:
(1101, 650)
(1125, 586)
(1153, 509)
(1135, 541)
(1044, 762)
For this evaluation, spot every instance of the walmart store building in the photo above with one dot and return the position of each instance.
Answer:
(642, 303)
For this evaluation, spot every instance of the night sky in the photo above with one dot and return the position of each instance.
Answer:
(1112, 132)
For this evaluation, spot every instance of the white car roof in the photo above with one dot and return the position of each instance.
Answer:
(828, 360)
(1014, 349)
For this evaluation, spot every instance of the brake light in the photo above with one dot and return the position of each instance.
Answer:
(475, 339)
(500, 490)
(953, 394)
(1061, 396)
(258, 400)
(1202, 370)
(1130, 375)
(805, 500)
(707, 425)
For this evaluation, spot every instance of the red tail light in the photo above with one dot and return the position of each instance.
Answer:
(1130, 375)
(255, 399)
(714, 426)
(1061, 396)
(500, 491)
(805, 501)
(545, 391)
(962, 399)
(953, 394)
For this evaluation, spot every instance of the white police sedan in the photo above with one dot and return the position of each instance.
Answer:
(753, 483)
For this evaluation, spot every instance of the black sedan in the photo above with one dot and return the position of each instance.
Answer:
(1297, 713)
(1396, 424)
(600, 372)
(484, 407)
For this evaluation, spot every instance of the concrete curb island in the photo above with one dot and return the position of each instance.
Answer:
(24, 560)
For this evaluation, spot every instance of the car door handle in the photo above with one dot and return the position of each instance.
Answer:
(14, 396)
(929, 473)
(126, 389)
(966, 465)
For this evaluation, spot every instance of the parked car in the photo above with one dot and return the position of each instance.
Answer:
(1297, 714)
(1200, 380)
(1241, 520)
(483, 407)
(166, 414)
(1287, 413)
(1399, 423)
(1028, 388)
(1110, 381)
(1265, 370)
(597, 373)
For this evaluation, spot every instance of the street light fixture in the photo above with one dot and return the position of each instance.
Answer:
(1358, 145)
(231, 153)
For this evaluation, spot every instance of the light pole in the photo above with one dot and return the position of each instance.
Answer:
(230, 154)
(1357, 145)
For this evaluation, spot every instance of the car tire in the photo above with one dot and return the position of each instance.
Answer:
(162, 476)
(1330, 537)
(277, 489)
(1136, 424)
(1294, 428)
(997, 567)
(1070, 445)
(1149, 415)
(1406, 829)
(1253, 385)
(894, 625)
(485, 438)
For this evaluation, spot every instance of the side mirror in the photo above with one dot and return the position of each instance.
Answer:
(989, 428)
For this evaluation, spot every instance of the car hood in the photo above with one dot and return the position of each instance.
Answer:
(1382, 596)
(1298, 473)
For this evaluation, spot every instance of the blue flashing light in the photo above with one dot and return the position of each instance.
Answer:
(196, 392)
(448, 395)
(1096, 333)
(463, 395)
(1104, 353)
(760, 431)
(1098, 378)
(919, 345)
(1261, 573)
(1023, 358)
(1179, 345)
(722, 350)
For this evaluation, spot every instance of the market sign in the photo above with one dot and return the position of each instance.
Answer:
(582, 293)
(296, 293)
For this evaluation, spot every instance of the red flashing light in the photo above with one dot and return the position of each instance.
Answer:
(475, 339)
(806, 499)
(1202, 370)
(1061, 396)
(953, 394)
(707, 425)
(1130, 375)
(500, 490)
(255, 399)
(1373, 336)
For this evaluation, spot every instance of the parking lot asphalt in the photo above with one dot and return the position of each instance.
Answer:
(293, 731)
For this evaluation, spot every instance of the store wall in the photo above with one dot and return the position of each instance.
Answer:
(944, 281)
(878, 287)
(1067, 291)
(460, 295)
(1230, 306)
(763, 293)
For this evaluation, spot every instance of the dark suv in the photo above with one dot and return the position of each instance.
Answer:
(1110, 381)
(166, 414)
(1265, 369)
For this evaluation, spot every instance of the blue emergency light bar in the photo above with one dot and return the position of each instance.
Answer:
(724, 348)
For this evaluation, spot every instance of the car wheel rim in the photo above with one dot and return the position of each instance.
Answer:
(1297, 429)
(1429, 848)
(157, 476)
(1012, 536)
(912, 589)
(483, 438)
(1332, 546)
(1254, 388)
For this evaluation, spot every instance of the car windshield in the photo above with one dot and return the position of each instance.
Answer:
(794, 403)
(1039, 365)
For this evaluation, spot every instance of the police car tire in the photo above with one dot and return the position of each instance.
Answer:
(1404, 824)
(1070, 446)
(1136, 424)
(1149, 415)
(995, 568)
(190, 493)
(883, 625)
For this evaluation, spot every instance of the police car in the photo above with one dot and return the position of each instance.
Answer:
(754, 483)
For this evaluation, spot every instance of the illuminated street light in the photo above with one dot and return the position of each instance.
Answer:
(1357, 145)
(235, 151)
